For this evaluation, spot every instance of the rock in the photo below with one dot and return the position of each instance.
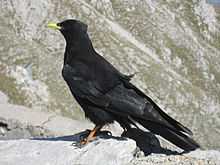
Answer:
(112, 151)
(212, 155)
(195, 157)
(49, 152)
(3, 98)
(21, 122)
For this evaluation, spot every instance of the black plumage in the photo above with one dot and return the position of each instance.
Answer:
(106, 95)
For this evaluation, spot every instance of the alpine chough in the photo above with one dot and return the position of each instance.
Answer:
(106, 95)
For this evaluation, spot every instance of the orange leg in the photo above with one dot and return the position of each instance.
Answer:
(91, 135)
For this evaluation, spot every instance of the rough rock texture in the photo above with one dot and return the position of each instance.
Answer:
(21, 122)
(59, 152)
(13, 114)
(194, 158)
(3, 98)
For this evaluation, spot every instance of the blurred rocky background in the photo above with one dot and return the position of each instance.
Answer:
(173, 46)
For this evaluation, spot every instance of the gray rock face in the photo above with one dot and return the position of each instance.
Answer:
(58, 151)
(195, 157)
(3, 98)
(43, 152)
(21, 122)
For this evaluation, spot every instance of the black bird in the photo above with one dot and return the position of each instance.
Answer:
(106, 95)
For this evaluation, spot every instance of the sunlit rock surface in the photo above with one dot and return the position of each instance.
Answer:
(102, 151)
(41, 152)
(195, 157)
(173, 46)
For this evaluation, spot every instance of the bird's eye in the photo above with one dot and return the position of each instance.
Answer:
(60, 25)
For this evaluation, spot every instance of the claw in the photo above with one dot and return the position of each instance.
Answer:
(84, 134)
(91, 136)
(87, 140)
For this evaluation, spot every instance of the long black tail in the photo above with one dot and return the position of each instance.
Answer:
(173, 135)
(158, 122)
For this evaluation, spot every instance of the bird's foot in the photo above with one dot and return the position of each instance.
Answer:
(83, 142)
(84, 135)
(90, 135)
(87, 140)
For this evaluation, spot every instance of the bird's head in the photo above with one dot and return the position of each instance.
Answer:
(71, 29)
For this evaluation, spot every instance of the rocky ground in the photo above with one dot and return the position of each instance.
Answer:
(31, 137)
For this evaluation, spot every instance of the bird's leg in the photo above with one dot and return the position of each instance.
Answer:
(91, 135)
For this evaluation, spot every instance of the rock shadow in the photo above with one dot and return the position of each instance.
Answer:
(146, 141)
(76, 138)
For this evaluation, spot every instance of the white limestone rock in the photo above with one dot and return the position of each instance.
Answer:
(49, 152)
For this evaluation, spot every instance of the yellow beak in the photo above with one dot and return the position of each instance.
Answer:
(53, 26)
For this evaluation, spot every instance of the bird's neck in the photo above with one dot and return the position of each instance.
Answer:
(78, 47)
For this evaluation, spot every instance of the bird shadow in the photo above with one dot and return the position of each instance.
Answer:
(145, 141)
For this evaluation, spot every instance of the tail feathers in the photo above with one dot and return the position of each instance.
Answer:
(173, 122)
(174, 136)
